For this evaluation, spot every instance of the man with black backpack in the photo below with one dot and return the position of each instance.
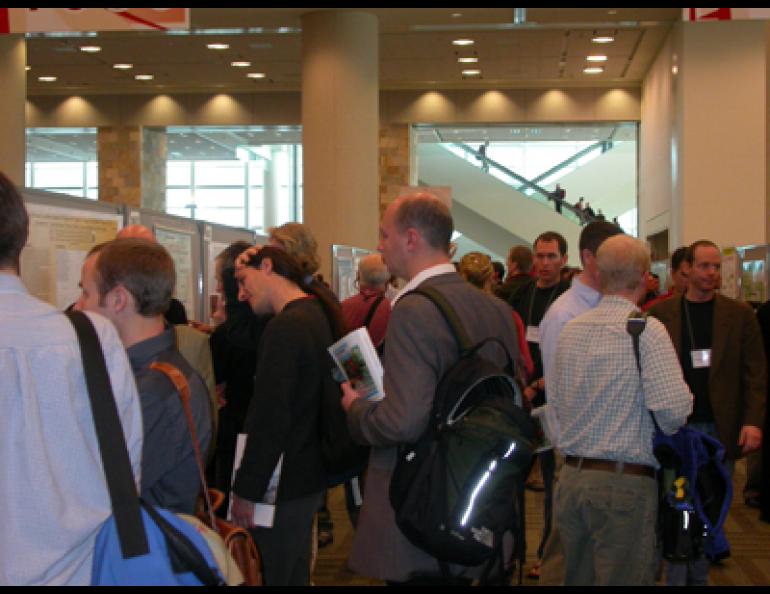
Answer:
(420, 347)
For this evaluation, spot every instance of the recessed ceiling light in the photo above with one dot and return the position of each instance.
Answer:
(596, 58)
(144, 77)
(593, 70)
(28, 68)
(603, 39)
(46, 78)
(123, 66)
(456, 15)
(613, 11)
(471, 72)
(463, 42)
(467, 60)
(240, 64)
(90, 49)
(217, 46)
(256, 75)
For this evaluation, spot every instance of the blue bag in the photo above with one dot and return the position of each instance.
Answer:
(139, 544)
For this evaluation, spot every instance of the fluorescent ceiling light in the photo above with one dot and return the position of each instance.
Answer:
(123, 66)
(46, 78)
(593, 70)
(90, 49)
(467, 60)
(596, 58)
(603, 39)
(463, 42)
(471, 72)
(240, 64)
(217, 46)
(256, 75)
(144, 77)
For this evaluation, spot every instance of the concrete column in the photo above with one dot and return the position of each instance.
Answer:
(13, 93)
(270, 193)
(132, 166)
(705, 138)
(340, 119)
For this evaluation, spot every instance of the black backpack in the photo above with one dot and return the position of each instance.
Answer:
(460, 487)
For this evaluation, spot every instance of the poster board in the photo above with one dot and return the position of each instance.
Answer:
(754, 273)
(181, 237)
(731, 273)
(62, 229)
(345, 261)
(216, 238)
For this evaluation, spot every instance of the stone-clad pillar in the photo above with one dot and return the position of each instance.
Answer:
(132, 166)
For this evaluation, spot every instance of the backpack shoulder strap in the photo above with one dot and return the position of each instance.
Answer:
(449, 313)
(182, 387)
(637, 322)
(373, 310)
(112, 443)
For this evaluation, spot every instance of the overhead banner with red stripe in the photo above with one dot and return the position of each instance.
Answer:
(38, 20)
(725, 14)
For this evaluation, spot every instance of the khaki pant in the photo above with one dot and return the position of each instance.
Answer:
(606, 522)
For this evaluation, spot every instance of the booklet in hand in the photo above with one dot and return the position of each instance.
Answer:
(357, 359)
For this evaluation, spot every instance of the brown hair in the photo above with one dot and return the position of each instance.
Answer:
(553, 236)
(144, 268)
(690, 254)
(297, 241)
(476, 268)
(287, 266)
(14, 224)
(521, 255)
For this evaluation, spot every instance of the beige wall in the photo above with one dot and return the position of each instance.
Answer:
(704, 141)
(13, 57)
(518, 105)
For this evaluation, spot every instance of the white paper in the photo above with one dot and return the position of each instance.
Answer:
(357, 359)
(264, 511)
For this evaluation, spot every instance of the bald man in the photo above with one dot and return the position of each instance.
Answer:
(137, 232)
(176, 314)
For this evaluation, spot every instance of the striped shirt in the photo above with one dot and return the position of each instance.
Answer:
(600, 401)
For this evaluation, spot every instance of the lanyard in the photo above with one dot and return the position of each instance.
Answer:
(532, 301)
(689, 324)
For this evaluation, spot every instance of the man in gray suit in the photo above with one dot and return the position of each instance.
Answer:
(419, 348)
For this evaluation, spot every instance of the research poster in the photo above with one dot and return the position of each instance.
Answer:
(179, 245)
(215, 248)
(59, 239)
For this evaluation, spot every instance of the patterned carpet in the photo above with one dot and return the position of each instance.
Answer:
(749, 538)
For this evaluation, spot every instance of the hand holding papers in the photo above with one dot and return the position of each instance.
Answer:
(358, 361)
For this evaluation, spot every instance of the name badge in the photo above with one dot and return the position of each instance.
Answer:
(701, 358)
(533, 334)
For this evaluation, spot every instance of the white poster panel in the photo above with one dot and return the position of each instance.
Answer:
(179, 245)
(58, 241)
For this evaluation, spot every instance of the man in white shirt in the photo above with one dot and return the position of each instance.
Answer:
(51, 477)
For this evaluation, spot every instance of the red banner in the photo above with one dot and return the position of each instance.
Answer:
(28, 20)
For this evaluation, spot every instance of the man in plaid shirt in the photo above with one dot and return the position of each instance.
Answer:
(606, 497)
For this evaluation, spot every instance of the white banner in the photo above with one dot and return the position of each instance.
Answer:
(29, 20)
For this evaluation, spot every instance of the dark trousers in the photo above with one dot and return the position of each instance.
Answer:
(547, 469)
(286, 547)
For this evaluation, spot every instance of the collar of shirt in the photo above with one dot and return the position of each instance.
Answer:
(368, 294)
(437, 270)
(10, 283)
(143, 353)
(588, 294)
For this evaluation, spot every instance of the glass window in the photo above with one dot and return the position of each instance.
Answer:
(62, 160)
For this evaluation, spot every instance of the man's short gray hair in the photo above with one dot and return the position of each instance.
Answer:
(621, 260)
(372, 271)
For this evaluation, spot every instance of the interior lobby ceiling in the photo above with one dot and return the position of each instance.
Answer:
(547, 48)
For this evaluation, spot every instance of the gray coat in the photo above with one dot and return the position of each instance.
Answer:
(419, 348)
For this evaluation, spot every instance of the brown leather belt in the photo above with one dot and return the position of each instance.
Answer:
(610, 466)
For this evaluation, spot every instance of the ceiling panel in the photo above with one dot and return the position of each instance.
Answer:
(415, 50)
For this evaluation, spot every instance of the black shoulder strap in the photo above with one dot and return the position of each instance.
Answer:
(635, 325)
(449, 313)
(112, 444)
(373, 310)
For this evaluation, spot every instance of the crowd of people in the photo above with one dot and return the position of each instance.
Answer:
(702, 363)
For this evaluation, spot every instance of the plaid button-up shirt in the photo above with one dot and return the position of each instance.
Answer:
(600, 399)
